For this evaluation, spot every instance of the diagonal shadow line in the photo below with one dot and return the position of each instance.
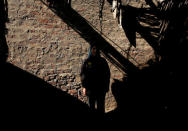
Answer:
(84, 29)
(3, 31)
(146, 34)
(131, 24)
(28, 97)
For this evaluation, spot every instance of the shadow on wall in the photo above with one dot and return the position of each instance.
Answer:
(158, 92)
(129, 23)
(144, 94)
(27, 97)
(3, 30)
(87, 31)
(151, 4)
(131, 19)
(155, 92)
(28, 101)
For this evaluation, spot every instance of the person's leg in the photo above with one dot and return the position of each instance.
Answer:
(92, 100)
(101, 103)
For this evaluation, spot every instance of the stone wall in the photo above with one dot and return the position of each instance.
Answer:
(41, 43)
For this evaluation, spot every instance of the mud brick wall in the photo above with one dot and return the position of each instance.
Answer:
(41, 43)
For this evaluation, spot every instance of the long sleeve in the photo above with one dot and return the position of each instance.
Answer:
(83, 75)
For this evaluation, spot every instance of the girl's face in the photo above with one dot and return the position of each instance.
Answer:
(93, 51)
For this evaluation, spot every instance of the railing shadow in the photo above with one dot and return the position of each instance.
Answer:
(156, 90)
(145, 93)
(84, 29)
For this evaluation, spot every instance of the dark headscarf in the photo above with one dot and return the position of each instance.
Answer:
(97, 53)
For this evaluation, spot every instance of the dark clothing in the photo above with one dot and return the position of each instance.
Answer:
(95, 77)
(95, 74)
(99, 98)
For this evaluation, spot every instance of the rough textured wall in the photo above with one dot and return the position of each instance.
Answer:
(42, 44)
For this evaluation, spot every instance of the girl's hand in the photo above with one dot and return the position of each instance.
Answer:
(84, 91)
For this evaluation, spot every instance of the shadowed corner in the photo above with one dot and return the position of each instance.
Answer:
(31, 101)
(157, 91)
(28, 101)
(156, 95)
(3, 31)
